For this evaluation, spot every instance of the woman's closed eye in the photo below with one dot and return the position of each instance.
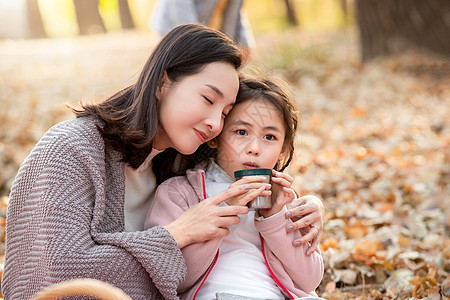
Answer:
(208, 100)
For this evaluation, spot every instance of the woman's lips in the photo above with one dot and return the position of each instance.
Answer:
(201, 135)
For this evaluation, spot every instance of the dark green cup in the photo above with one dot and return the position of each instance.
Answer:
(260, 202)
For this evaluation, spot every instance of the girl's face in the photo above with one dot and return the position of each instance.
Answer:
(253, 137)
(192, 111)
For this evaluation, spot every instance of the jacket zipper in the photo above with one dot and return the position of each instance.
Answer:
(207, 274)
(277, 281)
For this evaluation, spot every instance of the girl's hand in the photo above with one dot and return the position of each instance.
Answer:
(284, 197)
(282, 193)
(255, 186)
(307, 212)
(207, 220)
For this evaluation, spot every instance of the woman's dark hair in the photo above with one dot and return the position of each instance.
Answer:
(129, 118)
(273, 92)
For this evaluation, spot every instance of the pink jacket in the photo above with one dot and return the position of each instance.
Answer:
(295, 273)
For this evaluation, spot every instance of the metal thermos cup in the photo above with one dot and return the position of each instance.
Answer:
(260, 202)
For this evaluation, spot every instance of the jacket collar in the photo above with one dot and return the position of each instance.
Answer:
(196, 178)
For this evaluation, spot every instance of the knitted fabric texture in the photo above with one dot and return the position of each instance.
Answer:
(65, 220)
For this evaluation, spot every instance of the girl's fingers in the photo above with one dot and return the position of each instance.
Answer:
(287, 177)
(289, 193)
(281, 181)
(285, 197)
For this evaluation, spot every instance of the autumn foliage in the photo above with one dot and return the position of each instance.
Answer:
(374, 143)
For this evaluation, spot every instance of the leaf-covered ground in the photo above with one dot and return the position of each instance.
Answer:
(374, 143)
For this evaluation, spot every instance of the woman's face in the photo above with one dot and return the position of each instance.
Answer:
(192, 111)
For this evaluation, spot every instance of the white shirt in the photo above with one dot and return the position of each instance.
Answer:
(240, 268)
(140, 186)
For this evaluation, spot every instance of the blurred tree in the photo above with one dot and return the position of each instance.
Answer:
(291, 14)
(35, 25)
(125, 16)
(344, 6)
(389, 27)
(88, 17)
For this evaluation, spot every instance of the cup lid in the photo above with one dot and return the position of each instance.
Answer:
(250, 172)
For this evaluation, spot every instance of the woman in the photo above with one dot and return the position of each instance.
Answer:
(78, 204)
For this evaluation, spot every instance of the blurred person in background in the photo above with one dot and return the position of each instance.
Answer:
(227, 16)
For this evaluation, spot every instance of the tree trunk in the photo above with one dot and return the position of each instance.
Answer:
(390, 27)
(344, 6)
(125, 15)
(35, 25)
(290, 10)
(88, 17)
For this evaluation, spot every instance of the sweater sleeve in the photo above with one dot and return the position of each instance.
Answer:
(299, 273)
(63, 223)
(172, 198)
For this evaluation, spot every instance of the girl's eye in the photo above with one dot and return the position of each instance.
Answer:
(209, 101)
(241, 132)
(270, 137)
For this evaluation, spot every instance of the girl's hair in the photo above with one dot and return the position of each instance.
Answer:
(129, 118)
(273, 92)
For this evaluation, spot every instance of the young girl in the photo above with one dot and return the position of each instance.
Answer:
(256, 259)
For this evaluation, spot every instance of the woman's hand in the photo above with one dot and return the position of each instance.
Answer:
(207, 220)
(307, 212)
(254, 184)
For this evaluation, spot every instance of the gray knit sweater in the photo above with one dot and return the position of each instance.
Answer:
(65, 220)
